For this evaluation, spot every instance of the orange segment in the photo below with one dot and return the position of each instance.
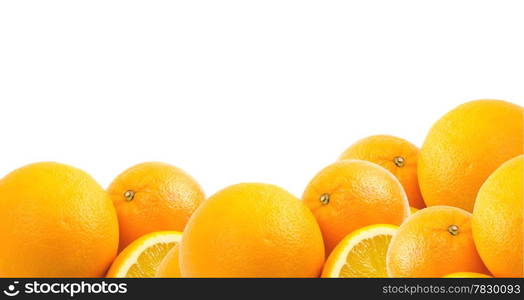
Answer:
(142, 258)
(361, 254)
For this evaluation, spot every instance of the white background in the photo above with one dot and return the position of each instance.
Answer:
(236, 91)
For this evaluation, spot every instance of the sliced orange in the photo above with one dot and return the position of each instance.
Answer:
(142, 257)
(362, 253)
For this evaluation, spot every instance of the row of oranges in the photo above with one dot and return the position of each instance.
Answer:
(56, 221)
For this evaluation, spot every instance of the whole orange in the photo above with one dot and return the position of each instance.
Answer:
(434, 242)
(351, 194)
(464, 147)
(396, 155)
(151, 197)
(252, 230)
(55, 221)
(498, 222)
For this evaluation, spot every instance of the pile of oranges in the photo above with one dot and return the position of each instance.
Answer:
(384, 208)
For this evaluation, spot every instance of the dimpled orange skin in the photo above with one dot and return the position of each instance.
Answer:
(164, 197)
(464, 147)
(498, 221)
(424, 246)
(360, 193)
(55, 221)
(252, 230)
(396, 155)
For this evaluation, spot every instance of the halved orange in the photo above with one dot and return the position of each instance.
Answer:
(362, 253)
(142, 257)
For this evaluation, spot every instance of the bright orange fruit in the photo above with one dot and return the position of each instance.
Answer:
(361, 253)
(153, 197)
(252, 230)
(55, 221)
(464, 147)
(498, 222)
(144, 256)
(434, 242)
(467, 275)
(396, 155)
(170, 266)
(351, 194)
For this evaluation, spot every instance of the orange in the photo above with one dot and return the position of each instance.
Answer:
(351, 194)
(361, 253)
(467, 275)
(498, 222)
(143, 257)
(464, 147)
(396, 155)
(252, 230)
(434, 242)
(55, 221)
(153, 197)
(169, 266)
